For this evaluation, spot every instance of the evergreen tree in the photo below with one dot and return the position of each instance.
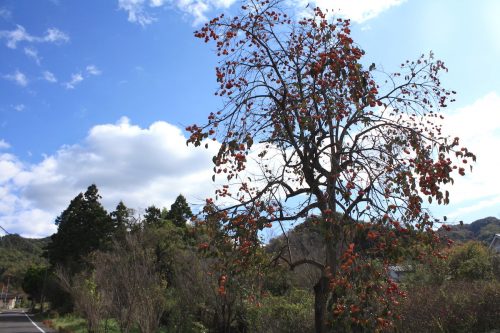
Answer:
(180, 211)
(83, 227)
(122, 218)
(33, 283)
(164, 213)
(153, 217)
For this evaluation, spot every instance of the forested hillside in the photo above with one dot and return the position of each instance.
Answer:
(482, 230)
(17, 254)
(306, 236)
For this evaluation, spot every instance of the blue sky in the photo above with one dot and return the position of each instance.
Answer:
(100, 92)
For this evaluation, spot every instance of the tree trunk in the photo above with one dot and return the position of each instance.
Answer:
(321, 291)
(334, 239)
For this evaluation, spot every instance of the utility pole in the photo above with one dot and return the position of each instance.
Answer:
(7, 292)
(1, 294)
(8, 278)
(42, 296)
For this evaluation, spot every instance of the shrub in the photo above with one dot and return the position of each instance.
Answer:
(471, 261)
(289, 313)
(456, 306)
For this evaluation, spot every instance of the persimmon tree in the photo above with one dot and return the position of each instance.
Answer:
(335, 140)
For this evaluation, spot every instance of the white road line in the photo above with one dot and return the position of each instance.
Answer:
(41, 330)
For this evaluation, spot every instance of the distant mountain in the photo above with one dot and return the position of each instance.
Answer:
(481, 230)
(306, 239)
(17, 254)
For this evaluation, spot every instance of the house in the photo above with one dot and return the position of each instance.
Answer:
(8, 301)
(495, 243)
(397, 272)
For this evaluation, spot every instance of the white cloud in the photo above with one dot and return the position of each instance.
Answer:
(157, 3)
(13, 37)
(49, 76)
(75, 80)
(481, 205)
(141, 166)
(136, 11)
(55, 35)
(198, 9)
(33, 54)
(9, 167)
(38, 226)
(17, 77)
(93, 70)
(9, 200)
(223, 3)
(4, 144)
(357, 10)
(19, 107)
(5, 13)
(478, 126)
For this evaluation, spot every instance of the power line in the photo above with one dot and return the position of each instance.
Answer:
(8, 233)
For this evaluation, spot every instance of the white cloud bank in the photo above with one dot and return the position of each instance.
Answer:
(478, 126)
(144, 166)
(141, 166)
(139, 11)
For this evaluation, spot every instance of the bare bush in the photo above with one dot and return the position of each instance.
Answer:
(89, 300)
(136, 290)
(457, 306)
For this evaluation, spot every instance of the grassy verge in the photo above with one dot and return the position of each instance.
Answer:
(67, 324)
(71, 323)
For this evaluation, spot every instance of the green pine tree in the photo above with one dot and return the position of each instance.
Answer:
(153, 217)
(83, 227)
(180, 211)
(123, 219)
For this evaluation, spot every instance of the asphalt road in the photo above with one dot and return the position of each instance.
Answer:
(16, 321)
